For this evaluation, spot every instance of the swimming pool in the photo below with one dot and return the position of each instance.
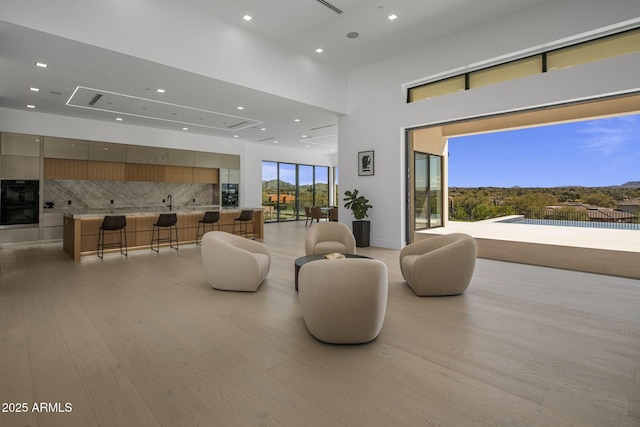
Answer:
(565, 223)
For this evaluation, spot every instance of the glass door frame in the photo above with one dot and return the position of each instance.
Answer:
(410, 208)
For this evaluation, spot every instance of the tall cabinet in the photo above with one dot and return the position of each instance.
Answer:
(21, 182)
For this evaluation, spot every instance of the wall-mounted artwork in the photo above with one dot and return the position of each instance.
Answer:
(365, 163)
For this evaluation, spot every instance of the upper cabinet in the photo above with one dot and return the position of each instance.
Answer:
(207, 160)
(107, 151)
(230, 161)
(19, 156)
(65, 169)
(106, 171)
(178, 174)
(149, 173)
(16, 144)
(206, 175)
(146, 155)
(24, 156)
(180, 157)
(65, 148)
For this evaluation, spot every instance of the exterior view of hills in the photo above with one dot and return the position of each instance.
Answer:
(281, 196)
(475, 204)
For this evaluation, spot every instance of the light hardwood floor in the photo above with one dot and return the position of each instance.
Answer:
(145, 341)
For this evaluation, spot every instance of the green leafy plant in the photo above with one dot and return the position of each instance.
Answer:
(359, 205)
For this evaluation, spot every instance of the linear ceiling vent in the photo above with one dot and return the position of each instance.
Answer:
(95, 99)
(236, 125)
(330, 6)
(322, 127)
(266, 139)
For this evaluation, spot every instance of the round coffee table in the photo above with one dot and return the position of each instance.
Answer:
(305, 259)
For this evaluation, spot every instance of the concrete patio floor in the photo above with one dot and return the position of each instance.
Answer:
(595, 250)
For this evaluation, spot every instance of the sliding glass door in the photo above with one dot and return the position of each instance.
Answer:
(427, 190)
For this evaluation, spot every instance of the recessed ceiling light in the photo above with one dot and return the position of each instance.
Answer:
(296, 120)
(306, 146)
(34, 89)
(239, 107)
(160, 90)
(319, 50)
(41, 65)
(247, 18)
(392, 17)
(304, 136)
(106, 149)
(31, 106)
(185, 128)
(236, 136)
(263, 128)
(119, 119)
(275, 142)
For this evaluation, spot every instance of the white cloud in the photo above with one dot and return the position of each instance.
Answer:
(611, 136)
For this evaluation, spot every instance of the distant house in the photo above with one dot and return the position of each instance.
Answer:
(631, 206)
(595, 213)
(284, 198)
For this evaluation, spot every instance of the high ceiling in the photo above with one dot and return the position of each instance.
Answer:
(193, 103)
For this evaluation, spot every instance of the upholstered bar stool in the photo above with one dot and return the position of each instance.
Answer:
(113, 223)
(165, 220)
(245, 217)
(210, 218)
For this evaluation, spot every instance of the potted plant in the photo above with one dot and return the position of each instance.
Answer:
(359, 206)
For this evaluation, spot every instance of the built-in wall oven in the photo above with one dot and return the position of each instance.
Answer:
(19, 203)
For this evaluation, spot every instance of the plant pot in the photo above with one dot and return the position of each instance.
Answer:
(361, 231)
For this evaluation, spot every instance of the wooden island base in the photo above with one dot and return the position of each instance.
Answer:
(81, 231)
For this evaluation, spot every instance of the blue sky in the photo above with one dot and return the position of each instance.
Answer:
(592, 153)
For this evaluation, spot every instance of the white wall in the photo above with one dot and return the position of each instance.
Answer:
(172, 33)
(378, 114)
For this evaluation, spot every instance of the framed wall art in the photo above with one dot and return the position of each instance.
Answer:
(365, 163)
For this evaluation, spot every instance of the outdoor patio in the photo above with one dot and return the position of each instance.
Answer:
(594, 250)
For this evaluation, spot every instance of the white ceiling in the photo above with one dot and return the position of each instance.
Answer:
(206, 106)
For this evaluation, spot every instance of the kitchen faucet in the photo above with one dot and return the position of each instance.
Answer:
(169, 200)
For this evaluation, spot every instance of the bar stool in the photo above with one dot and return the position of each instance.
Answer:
(210, 217)
(113, 223)
(165, 220)
(245, 217)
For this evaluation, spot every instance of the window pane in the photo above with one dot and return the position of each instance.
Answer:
(269, 190)
(287, 193)
(435, 191)
(322, 186)
(305, 181)
(619, 44)
(421, 190)
(336, 189)
(442, 87)
(509, 71)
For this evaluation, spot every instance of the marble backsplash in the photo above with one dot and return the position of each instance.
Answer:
(98, 194)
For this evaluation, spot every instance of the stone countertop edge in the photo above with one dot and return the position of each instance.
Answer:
(95, 213)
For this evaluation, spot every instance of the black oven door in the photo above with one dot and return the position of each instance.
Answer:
(19, 202)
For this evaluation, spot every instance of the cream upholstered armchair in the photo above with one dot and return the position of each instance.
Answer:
(344, 301)
(440, 265)
(234, 263)
(329, 237)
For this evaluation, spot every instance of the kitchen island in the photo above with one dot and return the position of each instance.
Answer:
(81, 227)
